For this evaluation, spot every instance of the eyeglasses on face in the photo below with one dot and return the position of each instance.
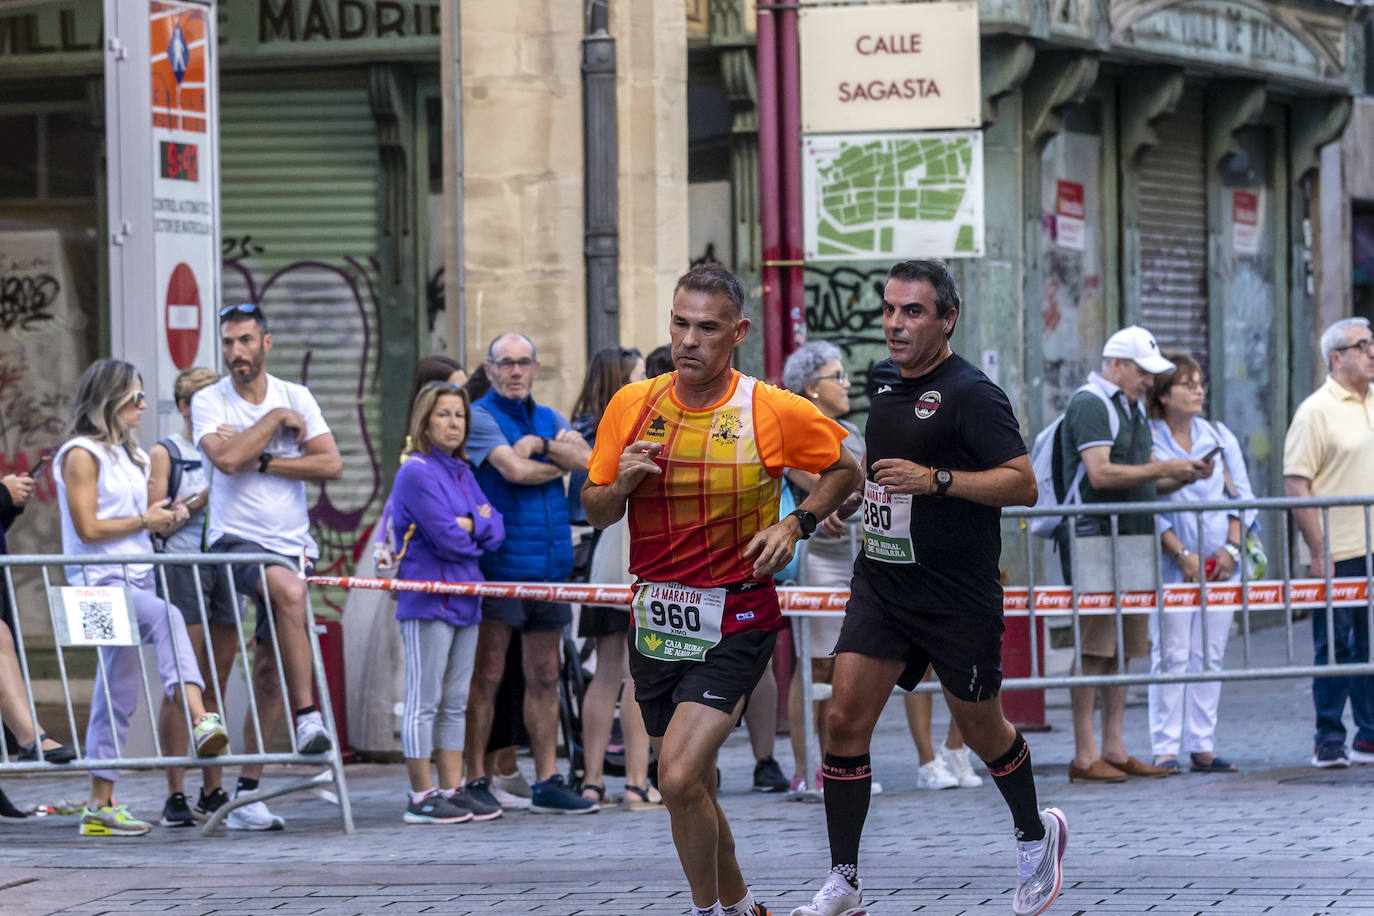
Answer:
(139, 399)
(1361, 345)
(841, 377)
(506, 365)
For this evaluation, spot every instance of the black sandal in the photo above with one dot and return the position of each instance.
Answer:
(599, 790)
(642, 802)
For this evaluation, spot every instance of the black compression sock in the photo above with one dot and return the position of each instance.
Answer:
(246, 785)
(848, 785)
(305, 710)
(1016, 782)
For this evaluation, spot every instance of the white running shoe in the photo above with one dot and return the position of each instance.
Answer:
(254, 816)
(1040, 866)
(509, 800)
(514, 783)
(837, 897)
(311, 738)
(960, 763)
(936, 775)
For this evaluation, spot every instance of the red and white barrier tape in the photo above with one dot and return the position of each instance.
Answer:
(1264, 595)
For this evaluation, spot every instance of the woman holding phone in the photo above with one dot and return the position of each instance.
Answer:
(1193, 552)
(102, 494)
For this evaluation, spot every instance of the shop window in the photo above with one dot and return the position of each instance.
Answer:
(1362, 257)
(48, 156)
(19, 157)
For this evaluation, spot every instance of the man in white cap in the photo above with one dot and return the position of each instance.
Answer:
(1118, 468)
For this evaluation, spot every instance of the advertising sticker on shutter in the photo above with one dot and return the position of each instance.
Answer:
(1068, 216)
(1245, 222)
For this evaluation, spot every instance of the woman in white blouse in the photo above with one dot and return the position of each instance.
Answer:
(1187, 713)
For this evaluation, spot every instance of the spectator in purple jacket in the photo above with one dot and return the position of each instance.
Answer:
(442, 523)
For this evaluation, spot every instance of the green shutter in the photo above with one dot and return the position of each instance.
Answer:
(299, 177)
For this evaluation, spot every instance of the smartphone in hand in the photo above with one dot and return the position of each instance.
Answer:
(39, 465)
(1212, 454)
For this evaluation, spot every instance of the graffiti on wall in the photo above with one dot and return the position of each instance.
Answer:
(844, 306)
(1246, 324)
(323, 316)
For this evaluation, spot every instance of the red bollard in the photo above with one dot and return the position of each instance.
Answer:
(332, 653)
(1023, 708)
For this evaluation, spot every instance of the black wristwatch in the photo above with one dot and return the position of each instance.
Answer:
(943, 479)
(807, 520)
(263, 461)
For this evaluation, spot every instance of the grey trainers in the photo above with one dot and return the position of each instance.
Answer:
(435, 809)
(1040, 866)
(481, 810)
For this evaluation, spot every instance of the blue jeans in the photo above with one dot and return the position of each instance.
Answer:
(1352, 645)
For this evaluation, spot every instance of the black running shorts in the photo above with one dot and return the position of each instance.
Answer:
(963, 645)
(731, 670)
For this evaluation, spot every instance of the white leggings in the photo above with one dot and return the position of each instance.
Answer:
(439, 661)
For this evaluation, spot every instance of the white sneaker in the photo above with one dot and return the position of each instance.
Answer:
(1040, 866)
(936, 775)
(254, 816)
(508, 800)
(514, 783)
(960, 763)
(875, 788)
(311, 738)
(837, 897)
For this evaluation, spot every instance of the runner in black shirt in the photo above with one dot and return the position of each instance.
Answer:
(945, 453)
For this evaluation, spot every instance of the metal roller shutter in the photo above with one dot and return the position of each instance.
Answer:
(300, 172)
(1173, 231)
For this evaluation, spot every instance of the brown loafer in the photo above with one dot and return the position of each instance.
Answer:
(1132, 766)
(1097, 771)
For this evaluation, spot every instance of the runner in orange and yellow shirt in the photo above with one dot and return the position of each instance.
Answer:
(696, 458)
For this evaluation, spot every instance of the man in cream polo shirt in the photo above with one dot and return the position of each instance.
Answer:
(1329, 451)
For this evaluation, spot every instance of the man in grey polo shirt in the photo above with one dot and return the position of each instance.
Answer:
(1118, 468)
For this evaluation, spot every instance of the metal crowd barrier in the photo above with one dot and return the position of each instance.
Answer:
(160, 759)
(1043, 603)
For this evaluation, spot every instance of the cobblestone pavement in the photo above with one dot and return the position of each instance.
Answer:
(1279, 838)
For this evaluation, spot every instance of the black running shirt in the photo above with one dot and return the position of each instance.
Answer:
(953, 417)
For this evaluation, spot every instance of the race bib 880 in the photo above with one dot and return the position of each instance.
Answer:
(887, 525)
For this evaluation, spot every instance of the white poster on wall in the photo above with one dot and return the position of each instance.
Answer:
(185, 148)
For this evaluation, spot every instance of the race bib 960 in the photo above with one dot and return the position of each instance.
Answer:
(675, 623)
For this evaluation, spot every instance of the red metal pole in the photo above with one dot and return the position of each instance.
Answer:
(790, 99)
(770, 212)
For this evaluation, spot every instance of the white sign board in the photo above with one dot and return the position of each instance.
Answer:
(885, 196)
(185, 211)
(92, 616)
(896, 66)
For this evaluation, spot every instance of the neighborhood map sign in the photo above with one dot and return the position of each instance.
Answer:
(893, 195)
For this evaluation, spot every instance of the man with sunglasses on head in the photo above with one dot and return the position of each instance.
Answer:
(1329, 451)
(265, 437)
(522, 451)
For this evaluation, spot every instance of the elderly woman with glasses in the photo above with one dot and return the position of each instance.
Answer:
(1195, 548)
(816, 372)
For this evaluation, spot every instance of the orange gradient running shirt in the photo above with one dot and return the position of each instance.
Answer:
(722, 468)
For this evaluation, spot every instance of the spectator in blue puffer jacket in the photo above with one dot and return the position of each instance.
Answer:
(442, 524)
(522, 451)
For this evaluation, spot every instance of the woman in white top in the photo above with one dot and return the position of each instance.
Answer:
(1187, 713)
(102, 486)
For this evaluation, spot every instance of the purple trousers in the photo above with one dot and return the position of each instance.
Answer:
(120, 666)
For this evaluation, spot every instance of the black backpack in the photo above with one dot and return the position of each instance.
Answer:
(178, 469)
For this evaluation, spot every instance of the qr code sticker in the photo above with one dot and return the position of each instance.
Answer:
(97, 620)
